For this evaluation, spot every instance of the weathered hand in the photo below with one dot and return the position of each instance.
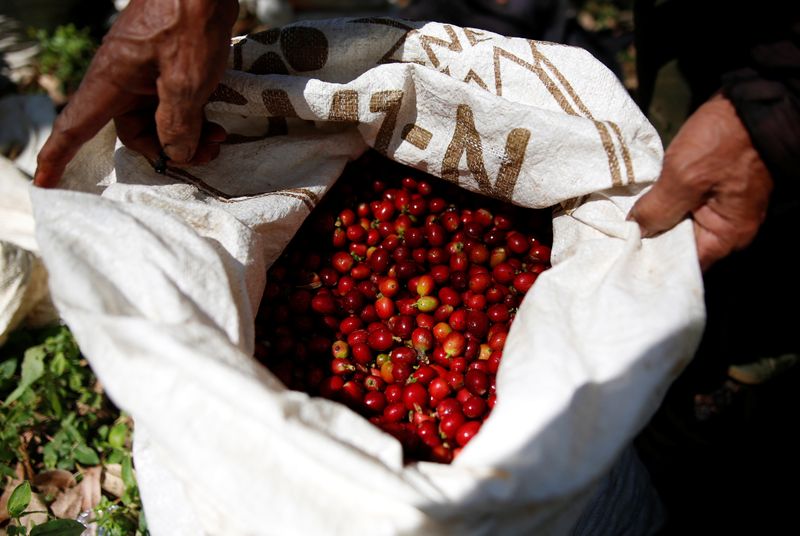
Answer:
(154, 72)
(713, 174)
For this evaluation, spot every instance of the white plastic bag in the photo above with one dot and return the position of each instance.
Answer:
(160, 277)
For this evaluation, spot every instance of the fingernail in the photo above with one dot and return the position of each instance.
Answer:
(647, 233)
(41, 178)
(178, 153)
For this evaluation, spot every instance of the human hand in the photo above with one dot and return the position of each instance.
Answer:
(154, 72)
(713, 174)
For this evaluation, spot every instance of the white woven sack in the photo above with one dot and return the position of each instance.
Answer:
(159, 277)
(23, 279)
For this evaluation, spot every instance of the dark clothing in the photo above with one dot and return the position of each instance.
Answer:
(749, 50)
(766, 94)
(728, 474)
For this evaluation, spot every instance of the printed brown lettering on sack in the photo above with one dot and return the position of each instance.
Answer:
(416, 136)
(223, 93)
(473, 36)
(540, 59)
(467, 139)
(344, 106)
(498, 54)
(278, 105)
(568, 100)
(304, 48)
(516, 143)
(387, 57)
(269, 63)
(427, 40)
(268, 37)
(472, 76)
(389, 102)
(608, 146)
(602, 130)
(626, 153)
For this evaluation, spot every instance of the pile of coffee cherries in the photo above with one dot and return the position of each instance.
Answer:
(395, 298)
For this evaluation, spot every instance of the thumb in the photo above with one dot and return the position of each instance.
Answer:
(669, 201)
(179, 118)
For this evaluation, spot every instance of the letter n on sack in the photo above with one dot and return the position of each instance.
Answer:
(466, 139)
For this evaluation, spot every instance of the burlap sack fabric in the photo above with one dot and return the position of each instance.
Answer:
(159, 277)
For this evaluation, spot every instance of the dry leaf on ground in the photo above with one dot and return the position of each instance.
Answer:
(50, 483)
(84, 496)
(112, 480)
(36, 505)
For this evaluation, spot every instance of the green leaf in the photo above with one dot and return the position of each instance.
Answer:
(50, 455)
(59, 527)
(7, 368)
(55, 403)
(70, 430)
(32, 370)
(19, 500)
(127, 474)
(75, 381)
(142, 523)
(59, 364)
(118, 435)
(116, 456)
(13, 530)
(86, 455)
(6, 471)
(33, 364)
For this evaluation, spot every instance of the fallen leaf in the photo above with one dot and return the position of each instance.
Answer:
(36, 505)
(50, 483)
(112, 480)
(84, 496)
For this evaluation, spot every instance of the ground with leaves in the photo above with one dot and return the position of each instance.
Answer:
(64, 447)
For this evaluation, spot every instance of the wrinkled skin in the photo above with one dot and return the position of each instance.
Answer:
(154, 72)
(713, 174)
